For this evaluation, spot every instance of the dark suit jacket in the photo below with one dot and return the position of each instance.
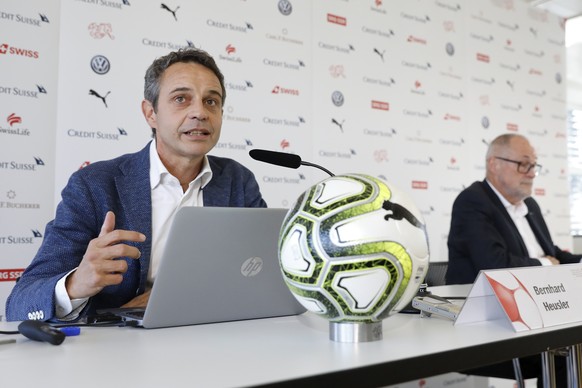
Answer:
(123, 186)
(483, 236)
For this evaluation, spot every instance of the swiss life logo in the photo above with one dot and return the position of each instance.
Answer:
(6, 49)
(13, 119)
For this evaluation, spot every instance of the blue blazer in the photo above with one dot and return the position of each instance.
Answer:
(121, 185)
(483, 236)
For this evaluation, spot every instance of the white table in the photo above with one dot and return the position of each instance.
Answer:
(288, 351)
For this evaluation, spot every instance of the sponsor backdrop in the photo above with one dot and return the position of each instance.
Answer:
(411, 91)
(29, 55)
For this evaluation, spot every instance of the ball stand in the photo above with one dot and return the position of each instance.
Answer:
(355, 332)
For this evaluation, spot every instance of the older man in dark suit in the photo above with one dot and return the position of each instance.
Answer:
(496, 224)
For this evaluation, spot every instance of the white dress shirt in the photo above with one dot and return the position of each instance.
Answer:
(167, 198)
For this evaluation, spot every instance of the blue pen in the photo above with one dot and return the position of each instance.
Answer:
(70, 331)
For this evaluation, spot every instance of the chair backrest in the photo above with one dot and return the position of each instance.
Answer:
(435, 275)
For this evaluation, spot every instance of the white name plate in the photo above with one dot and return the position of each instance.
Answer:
(528, 297)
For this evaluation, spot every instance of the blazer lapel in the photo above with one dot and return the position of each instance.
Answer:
(134, 190)
(217, 192)
(545, 243)
(497, 202)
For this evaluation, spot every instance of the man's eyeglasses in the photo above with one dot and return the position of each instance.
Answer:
(523, 167)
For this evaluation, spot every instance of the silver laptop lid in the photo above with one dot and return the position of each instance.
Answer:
(220, 264)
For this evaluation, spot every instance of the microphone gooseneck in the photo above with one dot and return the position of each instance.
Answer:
(317, 166)
(283, 159)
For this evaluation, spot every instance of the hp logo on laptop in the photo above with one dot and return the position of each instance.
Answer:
(251, 267)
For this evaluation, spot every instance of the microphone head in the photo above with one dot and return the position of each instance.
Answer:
(278, 158)
(41, 331)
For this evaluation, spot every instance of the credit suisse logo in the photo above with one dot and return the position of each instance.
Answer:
(286, 122)
(14, 17)
(21, 166)
(23, 92)
(97, 135)
(282, 64)
(415, 18)
(21, 240)
(107, 3)
(234, 146)
(242, 86)
(243, 28)
(6, 49)
(290, 180)
(166, 45)
(341, 154)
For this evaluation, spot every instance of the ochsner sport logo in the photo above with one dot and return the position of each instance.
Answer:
(6, 49)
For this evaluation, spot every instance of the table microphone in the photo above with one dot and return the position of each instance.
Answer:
(283, 159)
(41, 331)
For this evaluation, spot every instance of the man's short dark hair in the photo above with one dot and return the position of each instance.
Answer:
(153, 74)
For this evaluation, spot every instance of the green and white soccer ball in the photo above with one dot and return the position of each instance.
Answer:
(353, 249)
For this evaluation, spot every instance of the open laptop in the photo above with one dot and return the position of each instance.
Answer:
(219, 264)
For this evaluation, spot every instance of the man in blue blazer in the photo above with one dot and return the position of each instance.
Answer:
(496, 224)
(103, 247)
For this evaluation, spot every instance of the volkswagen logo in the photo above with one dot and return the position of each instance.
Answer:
(100, 64)
(285, 7)
(337, 98)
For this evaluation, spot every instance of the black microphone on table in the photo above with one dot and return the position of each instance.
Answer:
(283, 159)
(41, 331)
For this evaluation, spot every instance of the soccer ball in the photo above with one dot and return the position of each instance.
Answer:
(353, 249)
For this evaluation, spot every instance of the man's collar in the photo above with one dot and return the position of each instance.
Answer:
(518, 209)
(158, 170)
